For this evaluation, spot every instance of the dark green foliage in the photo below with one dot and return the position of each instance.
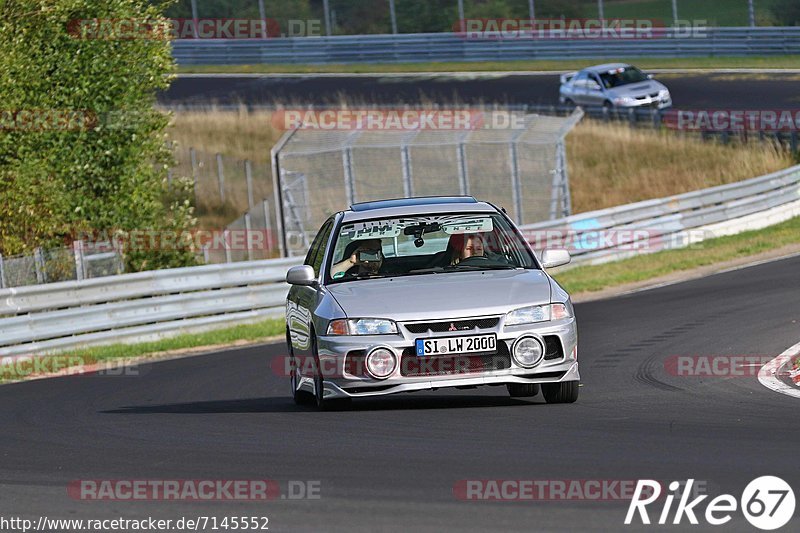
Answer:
(106, 169)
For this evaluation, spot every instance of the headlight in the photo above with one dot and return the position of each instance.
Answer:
(381, 362)
(362, 326)
(528, 351)
(663, 94)
(624, 100)
(537, 313)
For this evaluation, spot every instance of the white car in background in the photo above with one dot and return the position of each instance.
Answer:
(613, 85)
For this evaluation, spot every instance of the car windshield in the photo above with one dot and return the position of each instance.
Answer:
(622, 76)
(427, 244)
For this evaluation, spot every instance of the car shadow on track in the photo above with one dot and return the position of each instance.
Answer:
(286, 405)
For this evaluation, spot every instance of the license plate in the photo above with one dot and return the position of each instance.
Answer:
(457, 345)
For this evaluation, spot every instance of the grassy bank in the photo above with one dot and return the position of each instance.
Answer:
(613, 164)
(772, 62)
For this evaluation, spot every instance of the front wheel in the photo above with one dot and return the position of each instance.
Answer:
(563, 392)
(324, 404)
(299, 397)
(522, 390)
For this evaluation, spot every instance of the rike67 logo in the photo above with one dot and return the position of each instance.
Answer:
(767, 503)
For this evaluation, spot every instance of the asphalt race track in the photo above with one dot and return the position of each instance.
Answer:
(694, 91)
(391, 464)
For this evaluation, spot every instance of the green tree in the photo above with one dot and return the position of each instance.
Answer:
(93, 157)
(786, 12)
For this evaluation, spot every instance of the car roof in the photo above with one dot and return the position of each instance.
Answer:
(605, 67)
(416, 206)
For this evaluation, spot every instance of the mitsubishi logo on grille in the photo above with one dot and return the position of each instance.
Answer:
(452, 327)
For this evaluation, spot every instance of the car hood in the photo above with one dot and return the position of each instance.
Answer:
(638, 89)
(442, 296)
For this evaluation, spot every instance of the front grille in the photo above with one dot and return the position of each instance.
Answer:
(552, 348)
(453, 325)
(448, 365)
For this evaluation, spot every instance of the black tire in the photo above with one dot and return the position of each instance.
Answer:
(563, 392)
(569, 103)
(522, 390)
(299, 397)
(319, 384)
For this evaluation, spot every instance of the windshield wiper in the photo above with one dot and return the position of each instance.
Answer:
(431, 270)
(483, 267)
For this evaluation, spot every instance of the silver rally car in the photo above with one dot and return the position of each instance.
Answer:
(424, 293)
(613, 85)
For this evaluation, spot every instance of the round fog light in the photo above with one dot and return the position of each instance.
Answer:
(381, 363)
(528, 351)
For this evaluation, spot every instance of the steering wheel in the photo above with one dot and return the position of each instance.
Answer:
(473, 259)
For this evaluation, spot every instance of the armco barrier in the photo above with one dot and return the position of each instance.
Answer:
(151, 305)
(421, 47)
(673, 220)
(139, 307)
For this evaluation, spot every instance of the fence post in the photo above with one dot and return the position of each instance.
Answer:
(248, 173)
(408, 180)
(119, 250)
(227, 239)
(562, 150)
(516, 188)
(248, 239)
(268, 225)
(193, 158)
(463, 170)
(221, 178)
(793, 141)
(38, 265)
(347, 161)
(2, 273)
(77, 250)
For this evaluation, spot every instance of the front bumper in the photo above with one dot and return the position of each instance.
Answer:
(645, 103)
(345, 382)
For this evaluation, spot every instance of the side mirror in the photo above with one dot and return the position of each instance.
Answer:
(555, 257)
(301, 275)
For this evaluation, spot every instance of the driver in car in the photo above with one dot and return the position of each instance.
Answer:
(361, 258)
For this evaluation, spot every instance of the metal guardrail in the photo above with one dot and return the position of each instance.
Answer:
(421, 47)
(669, 222)
(141, 306)
(150, 305)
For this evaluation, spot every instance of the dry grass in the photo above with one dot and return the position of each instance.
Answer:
(609, 164)
(237, 134)
(613, 164)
